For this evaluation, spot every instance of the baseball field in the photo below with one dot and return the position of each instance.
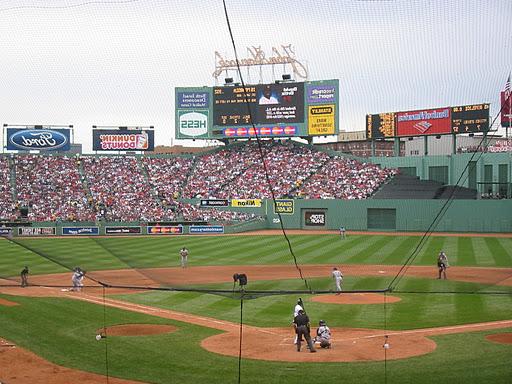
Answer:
(164, 324)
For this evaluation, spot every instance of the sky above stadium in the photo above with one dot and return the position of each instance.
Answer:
(116, 63)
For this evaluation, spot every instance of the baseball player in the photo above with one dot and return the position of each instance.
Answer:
(76, 279)
(24, 277)
(184, 257)
(342, 232)
(301, 322)
(442, 264)
(338, 279)
(298, 307)
(323, 335)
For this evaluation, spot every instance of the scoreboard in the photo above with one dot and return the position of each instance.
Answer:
(279, 109)
(380, 125)
(470, 118)
(439, 121)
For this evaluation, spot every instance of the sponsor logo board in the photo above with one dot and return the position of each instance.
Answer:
(38, 139)
(202, 229)
(321, 120)
(284, 206)
(246, 203)
(122, 230)
(77, 231)
(193, 123)
(36, 231)
(165, 230)
(214, 203)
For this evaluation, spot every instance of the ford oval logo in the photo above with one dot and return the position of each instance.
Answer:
(38, 139)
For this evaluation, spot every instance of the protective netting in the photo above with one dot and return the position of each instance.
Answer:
(395, 299)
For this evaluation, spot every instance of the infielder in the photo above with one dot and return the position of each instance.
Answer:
(338, 279)
(184, 257)
(442, 264)
(76, 279)
(24, 276)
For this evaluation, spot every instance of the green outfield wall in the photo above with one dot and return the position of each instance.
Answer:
(396, 215)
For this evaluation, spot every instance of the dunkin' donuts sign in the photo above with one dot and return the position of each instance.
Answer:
(118, 140)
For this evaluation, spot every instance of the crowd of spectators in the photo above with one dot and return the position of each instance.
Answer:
(51, 188)
(127, 188)
(119, 187)
(342, 178)
(167, 177)
(7, 205)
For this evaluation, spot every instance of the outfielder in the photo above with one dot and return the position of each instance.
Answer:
(338, 279)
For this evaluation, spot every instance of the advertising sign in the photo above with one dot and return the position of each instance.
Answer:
(80, 231)
(202, 229)
(314, 218)
(214, 203)
(4, 231)
(425, 122)
(123, 140)
(193, 100)
(320, 94)
(36, 231)
(122, 230)
(321, 120)
(246, 203)
(165, 230)
(193, 123)
(284, 206)
(38, 139)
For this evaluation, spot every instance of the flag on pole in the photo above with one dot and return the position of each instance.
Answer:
(506, 105)
(507, 87)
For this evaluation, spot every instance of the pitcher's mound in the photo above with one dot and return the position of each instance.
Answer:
(356, 298)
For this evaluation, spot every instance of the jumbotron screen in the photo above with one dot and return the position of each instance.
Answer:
(267, 110)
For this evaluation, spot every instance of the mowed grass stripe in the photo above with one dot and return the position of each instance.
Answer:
(465, 252)
(429, 251)
(402, 251)
(371, 248)
(340, 251)
(501, 256)
(385, 251)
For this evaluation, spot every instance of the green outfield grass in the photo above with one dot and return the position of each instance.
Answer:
(62, 330)
(145, 252)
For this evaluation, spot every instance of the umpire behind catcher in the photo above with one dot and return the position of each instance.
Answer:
(301, 322)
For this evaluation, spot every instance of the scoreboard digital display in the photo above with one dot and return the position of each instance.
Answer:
(470, 118)
(268, 104)
(380, 125)
(279, 109)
